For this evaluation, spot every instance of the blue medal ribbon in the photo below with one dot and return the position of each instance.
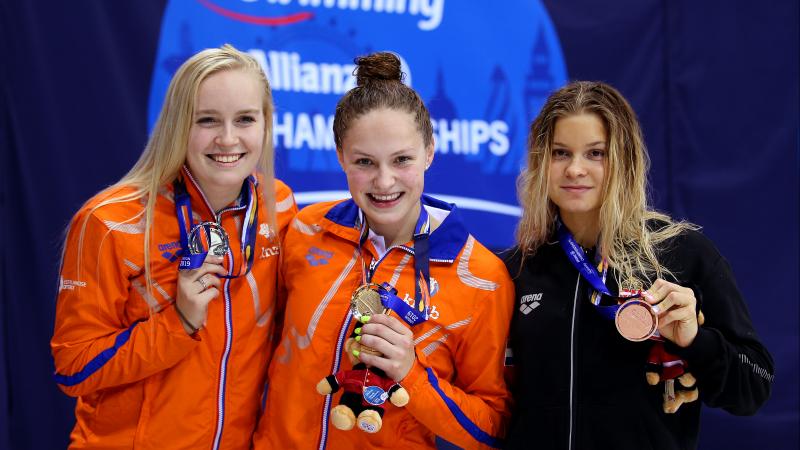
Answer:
(422, 278)
(577, 257)
(183, 211)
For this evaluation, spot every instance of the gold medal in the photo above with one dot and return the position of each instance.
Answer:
(366, 301)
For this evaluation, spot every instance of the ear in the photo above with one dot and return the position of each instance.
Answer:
(340, 157)
(429, 154)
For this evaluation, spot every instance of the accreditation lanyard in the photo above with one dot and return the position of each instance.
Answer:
(186, 226)
(596, 276)
(419, 312)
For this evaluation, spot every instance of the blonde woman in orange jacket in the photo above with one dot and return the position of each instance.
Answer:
(448, 368)
(160, 357)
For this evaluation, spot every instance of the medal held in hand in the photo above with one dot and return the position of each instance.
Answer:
(366, 301)
(635, 319)
(208, 237)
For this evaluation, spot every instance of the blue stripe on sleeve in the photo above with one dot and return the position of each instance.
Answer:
(96, 363)
(474, 431)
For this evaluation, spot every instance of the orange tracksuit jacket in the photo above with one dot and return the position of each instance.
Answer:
(456, 385)
(141, 381)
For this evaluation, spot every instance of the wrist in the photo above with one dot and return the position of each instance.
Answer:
(188, 326)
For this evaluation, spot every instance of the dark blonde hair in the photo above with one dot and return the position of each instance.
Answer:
(379, 84)
(627, 240)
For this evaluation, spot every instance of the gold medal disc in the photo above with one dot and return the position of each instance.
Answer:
(366, 301)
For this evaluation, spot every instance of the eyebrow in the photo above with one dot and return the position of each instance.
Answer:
(214, 111)
(591, 144)
(357, 152)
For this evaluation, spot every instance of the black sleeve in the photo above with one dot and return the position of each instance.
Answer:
(733, 368)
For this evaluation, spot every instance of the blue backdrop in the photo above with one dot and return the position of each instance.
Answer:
(715, 85)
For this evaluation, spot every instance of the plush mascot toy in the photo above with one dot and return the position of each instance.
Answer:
(365, 391)
(680, 386)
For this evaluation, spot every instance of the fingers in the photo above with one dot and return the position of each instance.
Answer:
(665, 295)
(676, 307)
(197, 287)
(393, 339)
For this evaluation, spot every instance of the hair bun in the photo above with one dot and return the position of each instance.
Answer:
(378, 66)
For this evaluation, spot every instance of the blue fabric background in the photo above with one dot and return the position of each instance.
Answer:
(715, 84)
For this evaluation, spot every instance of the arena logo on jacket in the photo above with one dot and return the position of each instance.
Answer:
(482, 87)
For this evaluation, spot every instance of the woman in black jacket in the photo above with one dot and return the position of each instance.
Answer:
(608, 337)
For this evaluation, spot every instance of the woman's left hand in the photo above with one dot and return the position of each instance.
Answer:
(391, 337)
(676, 307)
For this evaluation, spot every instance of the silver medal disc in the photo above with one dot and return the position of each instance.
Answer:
(208, 237)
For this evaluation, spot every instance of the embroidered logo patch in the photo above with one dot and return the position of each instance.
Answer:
(265, 230)
(529, 302)
(170, 251)
(318, 257)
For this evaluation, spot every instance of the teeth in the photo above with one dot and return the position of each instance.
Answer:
(387, 197)
(226, 157)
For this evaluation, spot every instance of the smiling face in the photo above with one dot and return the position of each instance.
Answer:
(227, 134)
(384, 157)
(577, 167)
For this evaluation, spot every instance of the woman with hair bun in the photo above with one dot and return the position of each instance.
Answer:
(389, 298)
(162, 331)
(609, 344)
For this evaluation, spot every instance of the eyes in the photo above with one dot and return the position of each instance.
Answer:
(399, 160)
(212, 120)
(593, 154)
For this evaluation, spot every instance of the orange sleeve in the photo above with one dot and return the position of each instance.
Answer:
(94, 344)
(471, 410)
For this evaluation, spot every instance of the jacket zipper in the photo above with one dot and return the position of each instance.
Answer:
(572, 363)
(323, 442)
(223, 368)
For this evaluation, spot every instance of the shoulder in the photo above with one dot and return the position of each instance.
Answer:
(282, 191)
(317, 211)
(111, 206)
(479, 267)
(689, 243)
(689, 255)
(312, 220)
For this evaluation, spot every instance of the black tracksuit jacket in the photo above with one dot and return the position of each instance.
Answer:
(579, 385)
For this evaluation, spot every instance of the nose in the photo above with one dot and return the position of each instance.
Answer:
(227, 136)
(575, 169)
(384, 179)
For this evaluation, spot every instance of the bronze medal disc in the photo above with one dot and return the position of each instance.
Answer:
(636, 320)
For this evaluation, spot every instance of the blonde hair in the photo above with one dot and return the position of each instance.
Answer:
(629, 228)
(165, 153)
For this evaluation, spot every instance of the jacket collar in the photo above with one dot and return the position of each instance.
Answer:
(446, 241)
(199, 199)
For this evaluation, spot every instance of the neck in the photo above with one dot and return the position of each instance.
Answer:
(219, 200)
(398, 233)
(585, 227)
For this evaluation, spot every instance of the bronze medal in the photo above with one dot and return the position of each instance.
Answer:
(636, 320)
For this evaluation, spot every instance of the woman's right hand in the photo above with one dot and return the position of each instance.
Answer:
(196, 288)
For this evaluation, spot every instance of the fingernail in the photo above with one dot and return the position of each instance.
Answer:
(357, 331)
(365, 319)
(656, 309)
(358, 338)
(356, 353)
